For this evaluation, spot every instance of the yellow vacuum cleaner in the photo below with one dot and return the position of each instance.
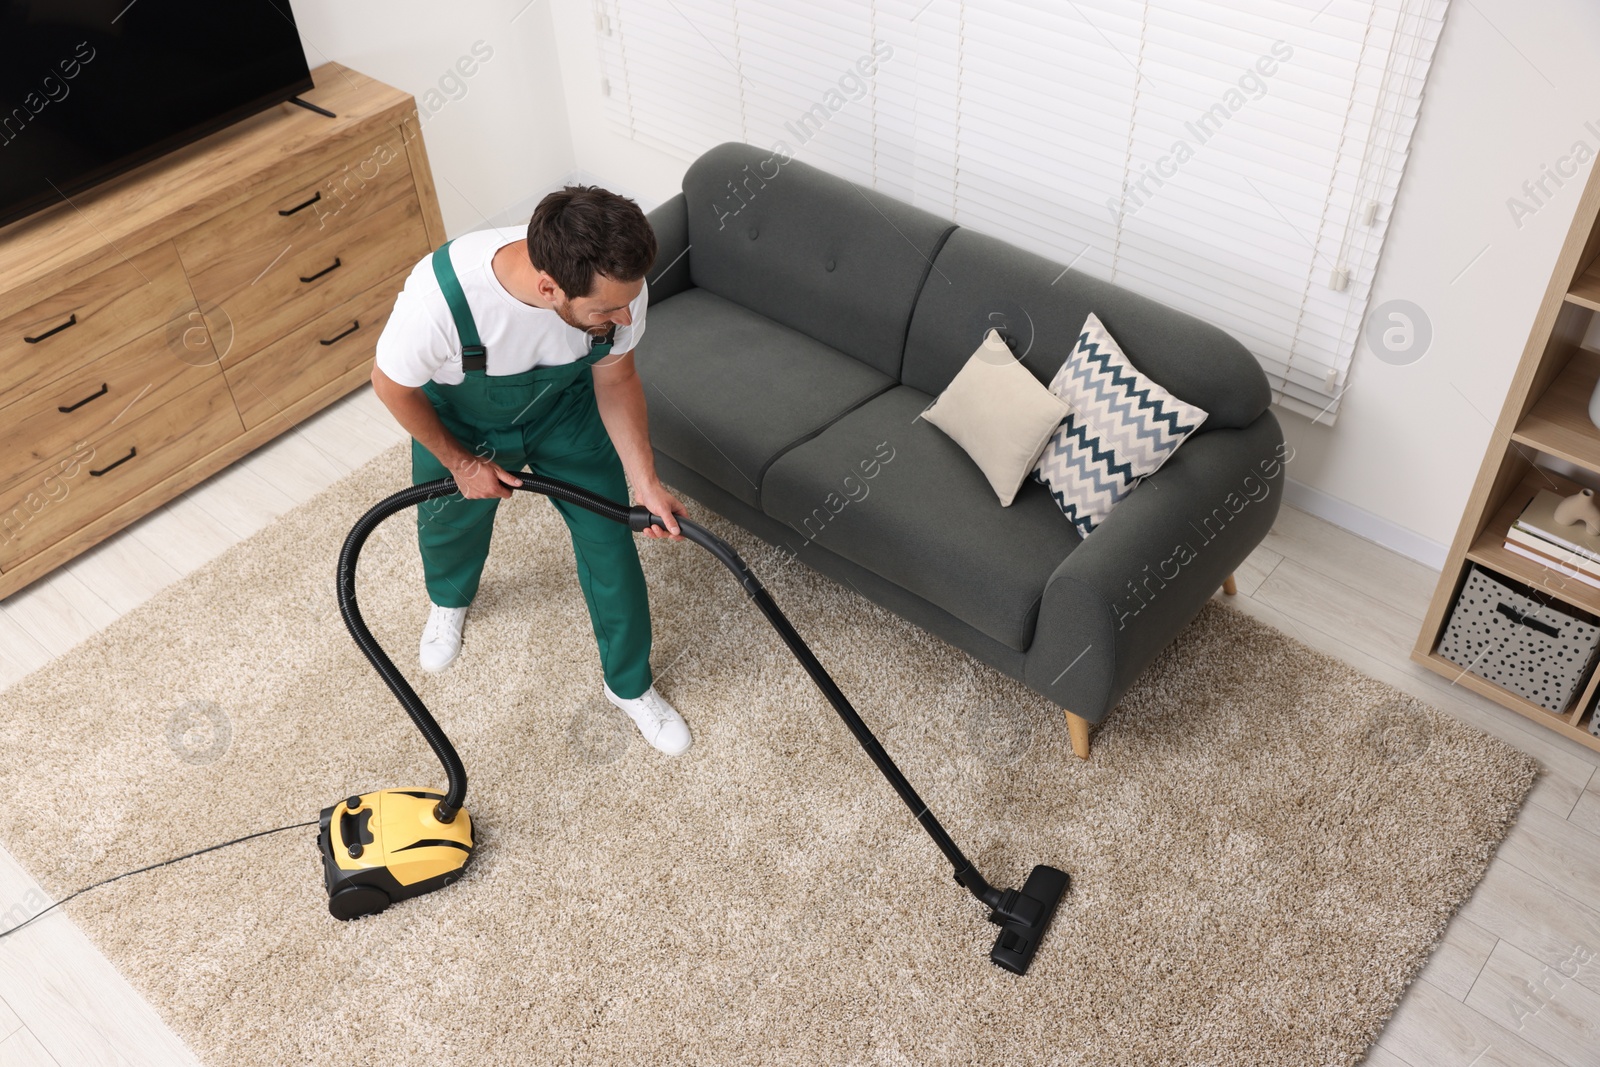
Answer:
(386, 846)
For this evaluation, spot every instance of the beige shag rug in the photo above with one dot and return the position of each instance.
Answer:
(1263, 849)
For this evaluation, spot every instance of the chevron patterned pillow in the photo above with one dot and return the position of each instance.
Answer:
(1123, 426)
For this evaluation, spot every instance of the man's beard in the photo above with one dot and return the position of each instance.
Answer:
(592, 331)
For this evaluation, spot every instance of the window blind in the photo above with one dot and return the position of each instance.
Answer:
(1235, 159)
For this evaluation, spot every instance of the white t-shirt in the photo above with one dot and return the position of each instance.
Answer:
(420, 343)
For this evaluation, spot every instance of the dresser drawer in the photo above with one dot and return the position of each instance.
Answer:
(123, 386)
(324, 350)
(101, 473)
(337, 192)
(70, 328)
(310, 281)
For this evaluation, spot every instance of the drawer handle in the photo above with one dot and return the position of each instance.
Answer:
(323, 271)
(106, 470)
(355, 324)
(1528, 620)
(92, 396)
(302, 207)
(51, 333)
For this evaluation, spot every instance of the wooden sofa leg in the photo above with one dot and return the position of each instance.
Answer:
(1230, 586)
(1078, 727)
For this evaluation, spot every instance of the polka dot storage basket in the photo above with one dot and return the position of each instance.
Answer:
(1521, 639)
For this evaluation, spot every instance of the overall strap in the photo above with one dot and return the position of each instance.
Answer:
(600, 347)
(473, 355)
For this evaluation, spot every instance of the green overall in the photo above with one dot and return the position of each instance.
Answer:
(544, 420)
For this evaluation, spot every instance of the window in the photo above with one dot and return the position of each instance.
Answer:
(1236, 159)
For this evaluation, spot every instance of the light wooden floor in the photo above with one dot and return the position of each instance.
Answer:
(1516, 983)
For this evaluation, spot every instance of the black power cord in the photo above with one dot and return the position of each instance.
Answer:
(153, 866)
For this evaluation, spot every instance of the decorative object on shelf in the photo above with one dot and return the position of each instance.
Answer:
(1594, 404)
(1537, 534)
(1580, 507)
(1533, 645)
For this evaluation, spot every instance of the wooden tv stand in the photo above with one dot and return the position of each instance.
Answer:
(159, 326)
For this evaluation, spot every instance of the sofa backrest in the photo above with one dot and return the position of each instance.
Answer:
(819, 254)
(980, 281)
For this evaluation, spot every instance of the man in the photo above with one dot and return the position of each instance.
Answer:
(509, 351)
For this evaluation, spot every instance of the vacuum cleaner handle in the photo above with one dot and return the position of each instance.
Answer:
(639, 519)
(966, 873)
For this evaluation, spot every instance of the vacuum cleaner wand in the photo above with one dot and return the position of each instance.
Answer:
(1023, 915)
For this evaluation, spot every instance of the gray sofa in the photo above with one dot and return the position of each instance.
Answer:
(798, 326)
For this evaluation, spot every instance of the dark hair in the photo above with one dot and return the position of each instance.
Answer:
(583, 230)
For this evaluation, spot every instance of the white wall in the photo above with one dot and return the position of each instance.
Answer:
(498, 138)
(621, 164)
(1409, 439)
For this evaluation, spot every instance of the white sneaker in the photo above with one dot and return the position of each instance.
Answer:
(657, 720)
(441, 638)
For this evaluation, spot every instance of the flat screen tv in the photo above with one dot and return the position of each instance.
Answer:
(91, 88)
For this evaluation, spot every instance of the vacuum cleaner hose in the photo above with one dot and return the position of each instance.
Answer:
(1023, 914)
(446, 809)
(637, 519)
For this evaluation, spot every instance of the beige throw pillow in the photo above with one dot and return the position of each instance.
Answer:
(1000, 413)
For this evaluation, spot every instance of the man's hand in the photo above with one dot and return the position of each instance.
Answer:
(654, 497)
(476, 476)
(479, 478)
(620, 397)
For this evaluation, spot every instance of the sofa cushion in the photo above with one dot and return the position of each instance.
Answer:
(729, 389)
(927, 520)
(822, 255)
(999, 415)
(980, 281)
(1122, 428)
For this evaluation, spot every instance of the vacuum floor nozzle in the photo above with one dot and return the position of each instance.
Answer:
(1023, 917)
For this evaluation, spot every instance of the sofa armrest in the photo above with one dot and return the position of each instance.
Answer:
(669, 275)
(1122, 595)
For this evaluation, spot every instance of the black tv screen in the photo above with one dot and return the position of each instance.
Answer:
(90, 88)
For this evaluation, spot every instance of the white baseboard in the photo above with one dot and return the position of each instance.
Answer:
(1365, 524)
